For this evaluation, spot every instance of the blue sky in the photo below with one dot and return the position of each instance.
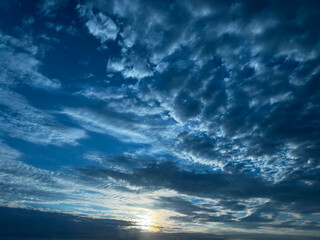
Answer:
(160, 119)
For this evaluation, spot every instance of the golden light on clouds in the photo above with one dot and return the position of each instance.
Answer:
(146, 220)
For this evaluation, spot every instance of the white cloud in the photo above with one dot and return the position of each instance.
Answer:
(102, 94)
(130, 67)
(99, 25)
(21, 66)
(102, 27)
(21, 120)
(116, 65)
(143, 109)
(129, 37)
(7, 153)
(109, 124)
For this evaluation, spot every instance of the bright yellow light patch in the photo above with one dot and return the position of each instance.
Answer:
(146, 220)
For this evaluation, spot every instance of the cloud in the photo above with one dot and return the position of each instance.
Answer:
(230, 83)
(20, 66)
(168, 175)
(218, 185)
(133, 67)
(181, 206)
(99, 25)
(187, 106)
(108, 123)
(102, 27)
(7, 153)
(49, 7)
(102, 94)
(23, 182)
(71, 30)
(20, 120)
(20, 182)
(215, 103)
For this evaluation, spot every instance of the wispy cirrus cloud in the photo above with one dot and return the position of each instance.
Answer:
(110, 123)
(20, 120)
(19, 64)
(48, 7)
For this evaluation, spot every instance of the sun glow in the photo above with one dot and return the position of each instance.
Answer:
(146, 221)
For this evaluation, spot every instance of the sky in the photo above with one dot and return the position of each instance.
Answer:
(146, 120)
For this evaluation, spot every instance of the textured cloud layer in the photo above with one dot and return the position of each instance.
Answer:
(175, 115)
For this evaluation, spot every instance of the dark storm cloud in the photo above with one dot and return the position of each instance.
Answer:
(181, 206)
(291, 122)
(232, 205)
(293, 193)
(301, 189)
(168, 175)
(186, 105)
(307, 225)
(201, 146)
(257, 216)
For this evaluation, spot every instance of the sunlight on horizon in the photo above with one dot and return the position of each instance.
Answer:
(146, 221)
